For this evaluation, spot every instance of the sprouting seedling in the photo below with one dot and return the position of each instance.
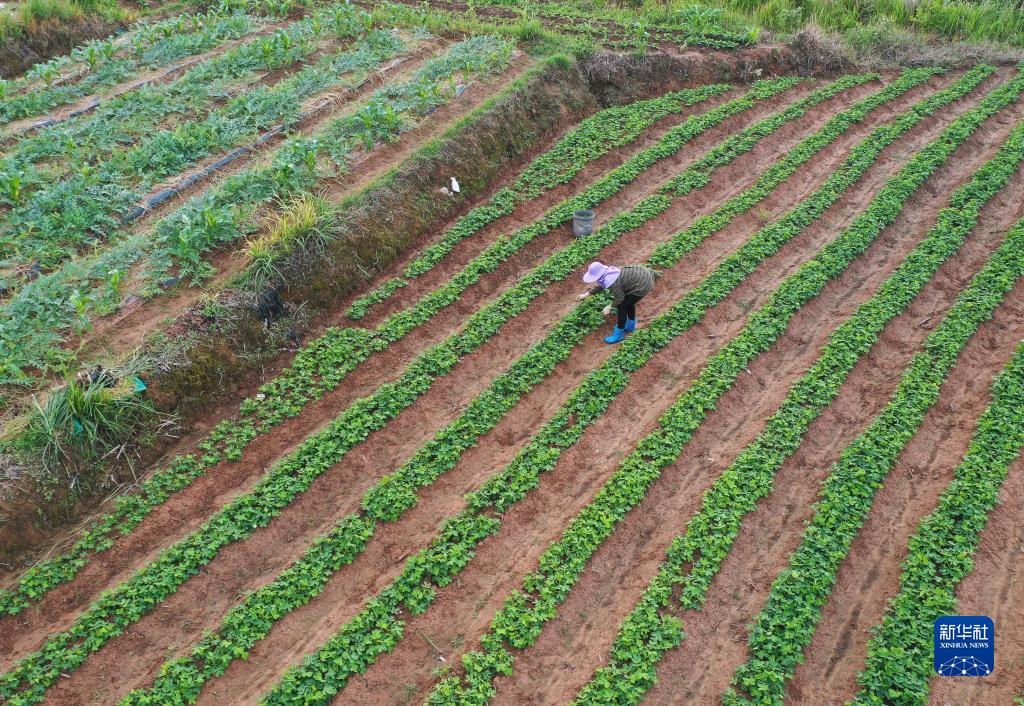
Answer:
(81, 304)
(107, 49)
(12, 186)
(309, 158)
(48, 74)
(92, 56)
(114, 280)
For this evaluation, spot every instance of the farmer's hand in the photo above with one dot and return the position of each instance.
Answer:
(582, 296)
(607, 310)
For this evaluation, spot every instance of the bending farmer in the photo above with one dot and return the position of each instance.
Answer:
(628, 285)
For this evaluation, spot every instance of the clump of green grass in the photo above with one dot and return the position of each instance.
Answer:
(965, 20)
(301, 225)
(33, 16)
(80, 424)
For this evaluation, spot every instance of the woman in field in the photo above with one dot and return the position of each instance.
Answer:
(628, 285)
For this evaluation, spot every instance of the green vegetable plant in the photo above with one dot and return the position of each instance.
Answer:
(106, 70)
(320, 367)
(694, 557)
(179, 680)
(41, 230)
(65, 651)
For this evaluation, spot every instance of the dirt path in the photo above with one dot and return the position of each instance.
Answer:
(995, 588)
(210, 493)
(619, 572)
(869, 576)
(291, 532)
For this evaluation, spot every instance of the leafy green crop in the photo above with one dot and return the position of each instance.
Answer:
(694, 558)
(899, 659)
(786, 624)
(179, 680)
(109, 615)
(79, 206)
(320, 367)
(519, 622)
(158, 45)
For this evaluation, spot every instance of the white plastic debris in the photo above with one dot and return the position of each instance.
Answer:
(455, 185)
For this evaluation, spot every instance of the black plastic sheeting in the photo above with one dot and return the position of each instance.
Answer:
(192, 179)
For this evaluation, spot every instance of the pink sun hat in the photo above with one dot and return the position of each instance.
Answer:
(601, 273)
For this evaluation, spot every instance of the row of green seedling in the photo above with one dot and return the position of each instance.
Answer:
(137, 40)
(68, 68)
(519, 622)
(121, 120)
(302, 382)
(108, 69)
(695, 557)
(67, 300)
(940, 554)
(118, 608)
(786, 624)
(592, 138)
(180, 680)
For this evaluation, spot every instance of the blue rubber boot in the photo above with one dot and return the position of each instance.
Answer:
(630, 326)
(617, 335)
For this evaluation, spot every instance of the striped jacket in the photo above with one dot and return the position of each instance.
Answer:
(637, 280)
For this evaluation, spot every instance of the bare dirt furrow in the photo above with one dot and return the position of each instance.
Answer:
(190, 508)
(769, 535)
(305, 629)
(464, 609)
(995, 588)
(252, 563)
(590, 617)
